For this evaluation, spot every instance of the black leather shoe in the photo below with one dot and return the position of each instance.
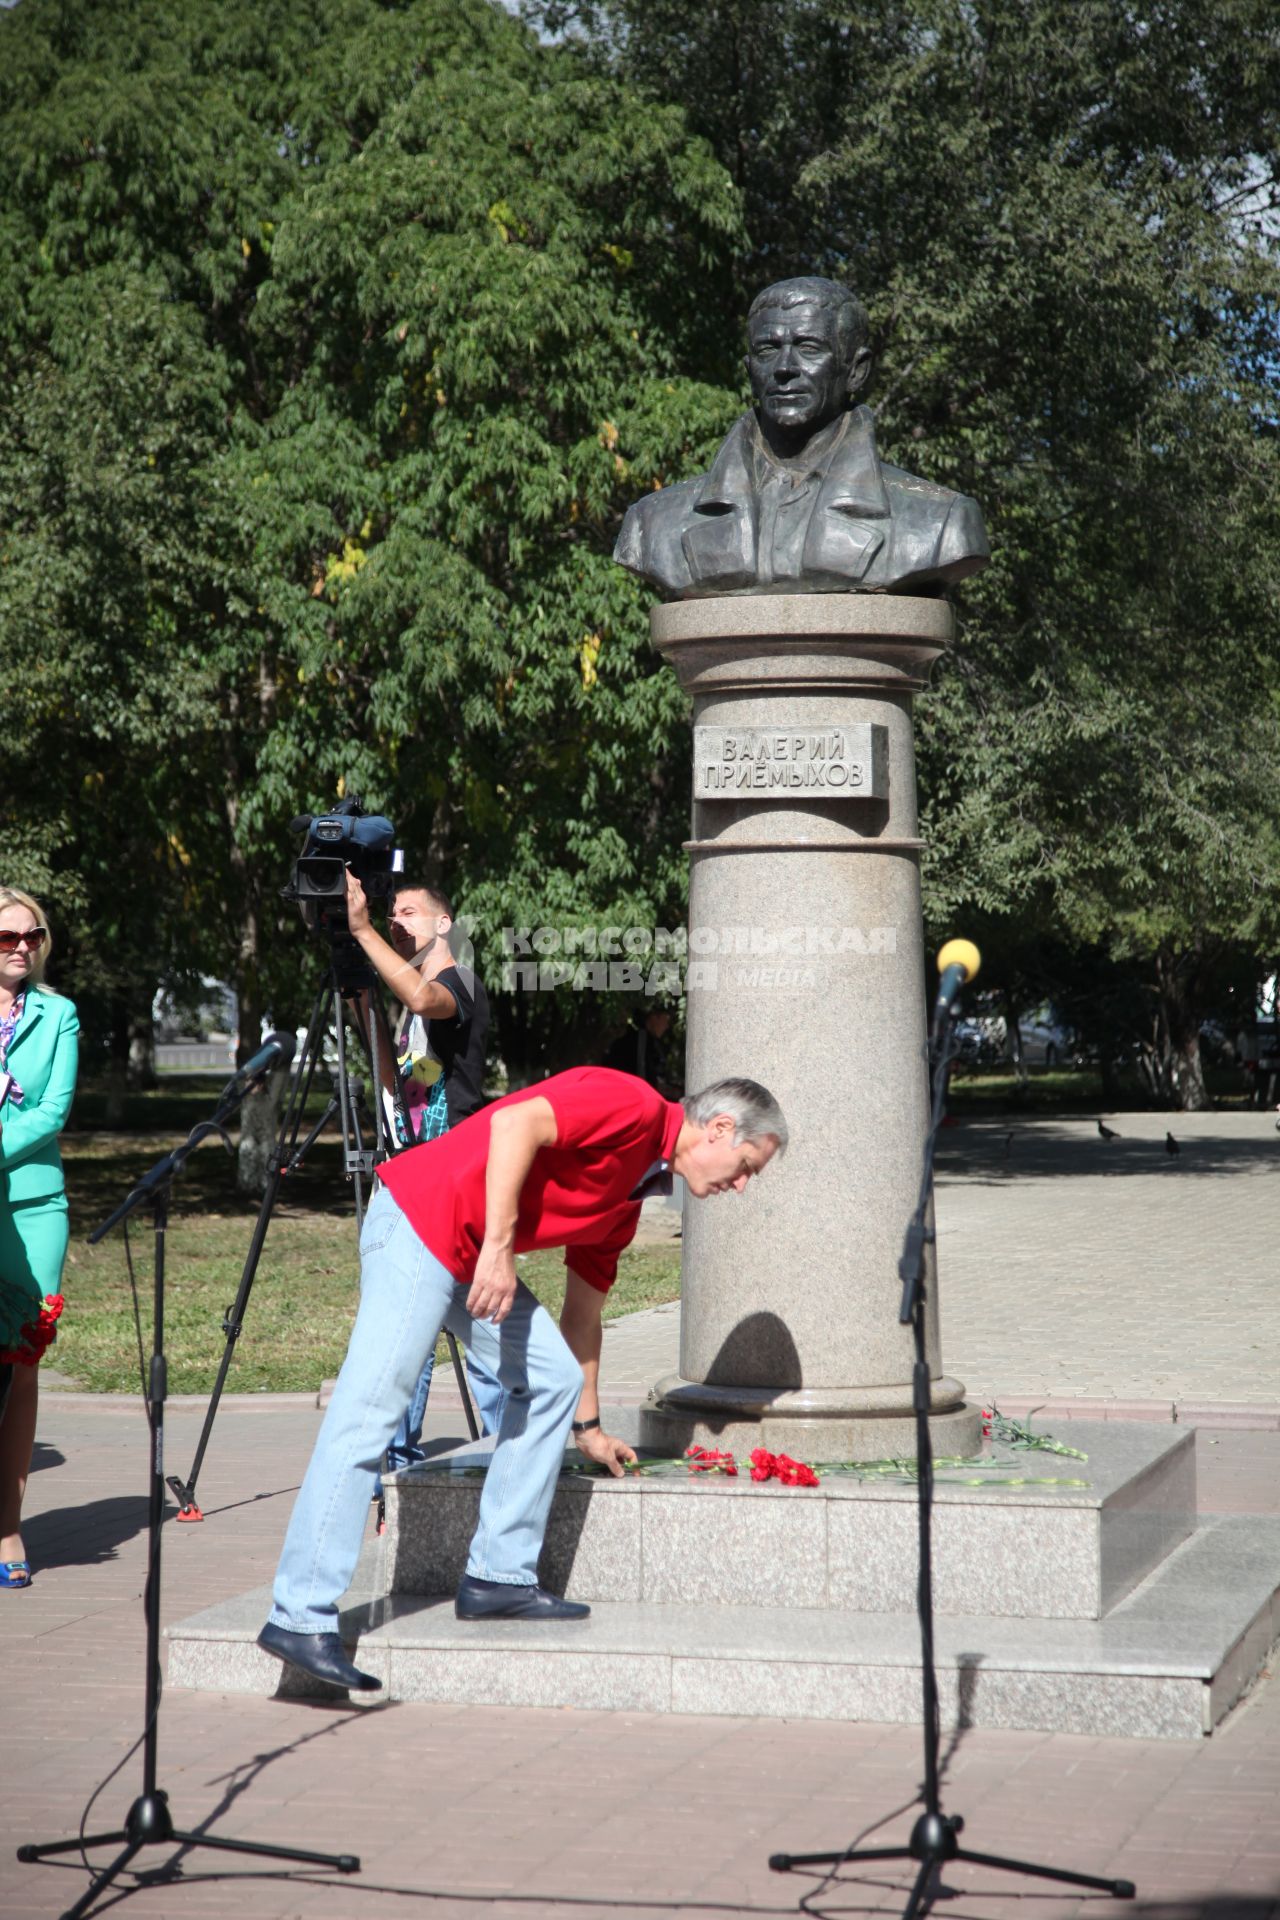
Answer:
(495, 1600)
(319, 1654)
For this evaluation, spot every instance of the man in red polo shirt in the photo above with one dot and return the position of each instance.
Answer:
(564, 1164)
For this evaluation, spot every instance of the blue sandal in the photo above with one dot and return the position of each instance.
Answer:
(15, 1573)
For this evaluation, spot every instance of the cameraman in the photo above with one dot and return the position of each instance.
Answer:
(440, 1055)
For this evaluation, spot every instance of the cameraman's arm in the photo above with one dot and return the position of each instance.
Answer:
(426, 997)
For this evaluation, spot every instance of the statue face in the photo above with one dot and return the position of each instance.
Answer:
(799, 378)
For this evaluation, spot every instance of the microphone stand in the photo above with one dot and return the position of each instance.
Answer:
(148, 1822)
(934, 1838)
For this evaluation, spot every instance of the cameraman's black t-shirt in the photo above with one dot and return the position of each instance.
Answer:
(459, 1044)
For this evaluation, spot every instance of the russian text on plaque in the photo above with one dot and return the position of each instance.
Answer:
(821, 763)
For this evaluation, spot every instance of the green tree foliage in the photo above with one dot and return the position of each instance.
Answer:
(323, 324)
(336, 335)
(1065, 227)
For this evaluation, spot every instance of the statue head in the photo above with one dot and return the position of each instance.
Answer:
(807, 357)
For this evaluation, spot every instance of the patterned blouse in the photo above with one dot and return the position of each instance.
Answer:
(8, 1027)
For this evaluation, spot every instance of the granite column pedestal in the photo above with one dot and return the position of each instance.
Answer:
(806, 972)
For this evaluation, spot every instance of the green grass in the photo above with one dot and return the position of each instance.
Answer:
(1069, 1090)
(304, 1293)
(174, 1106)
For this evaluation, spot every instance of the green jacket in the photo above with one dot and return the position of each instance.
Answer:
(42, 1059)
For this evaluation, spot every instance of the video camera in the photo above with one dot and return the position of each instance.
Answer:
(347, 836)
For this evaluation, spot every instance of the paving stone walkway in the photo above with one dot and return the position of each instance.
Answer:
(537, 1815)
(1079, 1267)
(1085, 1271)
(1056, 1256)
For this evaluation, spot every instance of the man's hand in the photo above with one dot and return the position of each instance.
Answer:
(493, 1290)
(357, 904)
(605, 1450)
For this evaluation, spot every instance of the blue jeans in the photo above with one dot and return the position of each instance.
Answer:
(406, 1297)
(404, 1447)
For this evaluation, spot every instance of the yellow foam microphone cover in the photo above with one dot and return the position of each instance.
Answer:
(960, 953)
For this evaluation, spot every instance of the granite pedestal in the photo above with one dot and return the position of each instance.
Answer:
(806, 972)
(1102, 1609)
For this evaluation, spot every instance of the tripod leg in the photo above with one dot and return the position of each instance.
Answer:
(342, 1862)
(472, 1425)
(185, 1490)
(232, 1325)
(784, 1862)
(919, 1893)
(103, 1879)
(47, 1849)
(1118, 1889)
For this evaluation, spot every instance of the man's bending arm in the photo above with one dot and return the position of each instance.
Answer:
(515, 1135)
(583, 1333)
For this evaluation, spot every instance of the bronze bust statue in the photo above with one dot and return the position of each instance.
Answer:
(798, 500)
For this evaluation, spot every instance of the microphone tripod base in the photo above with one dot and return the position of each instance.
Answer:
(186, 1498)
(934, 1841)
(149, 1823)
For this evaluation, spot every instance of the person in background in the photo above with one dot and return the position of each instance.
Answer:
(642, 1050)
(440, 1049)
(38, 1056)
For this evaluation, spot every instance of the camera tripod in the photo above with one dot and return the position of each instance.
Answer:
(934, 1837)
(148, 1822)
(368, 1136)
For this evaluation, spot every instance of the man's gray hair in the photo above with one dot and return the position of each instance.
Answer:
(852, 325)
(752, 1108)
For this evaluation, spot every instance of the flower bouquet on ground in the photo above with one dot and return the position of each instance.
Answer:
(28, 1322)
(953, 1468)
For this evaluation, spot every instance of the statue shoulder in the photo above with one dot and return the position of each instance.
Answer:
(940, 535)
(913, 487)
(649, 541)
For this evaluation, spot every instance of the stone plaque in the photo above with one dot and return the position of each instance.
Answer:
(821, 763)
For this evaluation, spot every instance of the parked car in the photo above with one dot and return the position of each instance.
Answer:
(980, 1042)
(1045, 1042)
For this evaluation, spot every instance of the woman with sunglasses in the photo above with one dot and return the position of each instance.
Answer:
(38, 1051)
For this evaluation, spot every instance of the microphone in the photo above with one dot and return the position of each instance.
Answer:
(958, 962)
(277, 1050)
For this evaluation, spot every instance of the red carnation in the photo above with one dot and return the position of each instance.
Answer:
(709, 1460)
(38, 1334)
(780, 1466)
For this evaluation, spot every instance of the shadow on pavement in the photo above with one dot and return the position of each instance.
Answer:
(84, 1536)
(995, 1151)
(840, 1901)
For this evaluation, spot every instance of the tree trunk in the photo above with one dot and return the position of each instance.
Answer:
(1188, 1078)
(259, 1123)
(1180, 1015)
(256, 1126)
(117, 1061)
(1013, 1038)
(141, 1065)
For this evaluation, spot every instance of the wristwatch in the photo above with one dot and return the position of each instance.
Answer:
(585, 1426)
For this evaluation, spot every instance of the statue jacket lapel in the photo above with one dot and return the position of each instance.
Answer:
(720, 541)
(850, 518)
(842, 539)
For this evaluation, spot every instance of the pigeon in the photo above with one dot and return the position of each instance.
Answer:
(1171, 1146)
(1105, 1132)
(1008, 1144)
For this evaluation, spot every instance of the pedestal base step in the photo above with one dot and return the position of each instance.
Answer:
(1167, 1663)
(1070, 1548)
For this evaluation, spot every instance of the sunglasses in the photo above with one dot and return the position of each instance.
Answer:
(33, 937)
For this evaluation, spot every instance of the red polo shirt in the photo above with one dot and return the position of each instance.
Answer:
(610, 1129)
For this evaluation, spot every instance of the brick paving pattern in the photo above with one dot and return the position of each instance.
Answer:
(1078, 1267)
(1051, 1258)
